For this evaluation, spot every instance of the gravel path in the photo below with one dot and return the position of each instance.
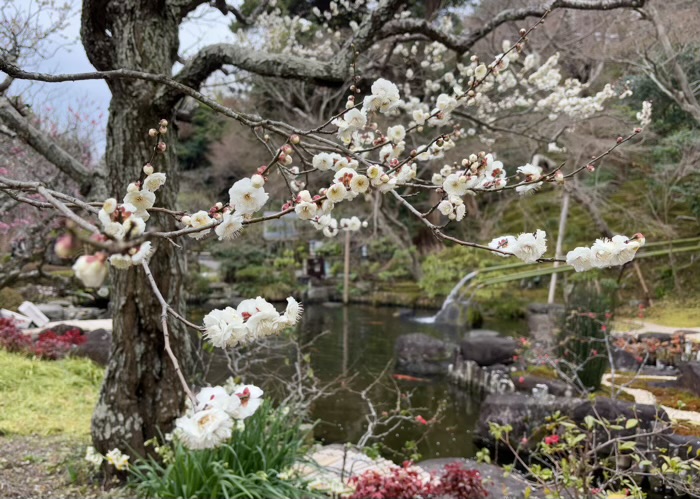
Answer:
(646, 397)
(41, 467)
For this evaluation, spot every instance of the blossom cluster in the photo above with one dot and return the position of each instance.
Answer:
(114, 457)
(253, 319)
(210, 421)
(605, 253)
(528, 247)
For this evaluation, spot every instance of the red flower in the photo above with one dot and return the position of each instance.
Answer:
(521, 379)
(551, 440)
(420, 419)
(604, 328)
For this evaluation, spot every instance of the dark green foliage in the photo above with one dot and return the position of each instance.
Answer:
(248, 466)
(584, 333)
(206, 128)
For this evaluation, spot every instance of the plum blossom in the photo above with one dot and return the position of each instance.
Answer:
(306, 210)
(504, 244)
(197, 221)
(580, 259)
(385, 95)
(204, 429)
(141, 200)
(246, 198)
(154, 181)
(532, 174)
(250, 400)
(216, 397)
(225, 328)
(117, 459)
(230, 226)
(324, 161)
(530, 247)
(91, 269)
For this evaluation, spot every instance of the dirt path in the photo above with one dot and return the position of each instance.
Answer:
(46, 467)
(634, 327)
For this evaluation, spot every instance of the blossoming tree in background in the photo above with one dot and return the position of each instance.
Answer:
(136, 233)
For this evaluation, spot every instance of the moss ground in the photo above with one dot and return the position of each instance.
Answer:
(44, 398)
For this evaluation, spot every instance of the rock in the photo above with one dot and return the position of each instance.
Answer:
(97, 346)
(316, 294)
(481, 333)
(422, 354)
(488, 350)
(683, 446)
(85, 313)
(624, 360)
(649, 335)
(602, 407)
(523, 412)
(544, 321)
(53, 311)
(61, 329)
(497, 485)
(554, 386)
(690, 376)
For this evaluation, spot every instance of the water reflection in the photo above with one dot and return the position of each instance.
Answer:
(359, 342)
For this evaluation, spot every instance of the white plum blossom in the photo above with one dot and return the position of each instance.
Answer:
(504, 244)
(455, 184)
(530, 247)
(246, 198)
(117, 459)
(336, 192)
(323, 161)
(603, 253)
(93, 457)
(91, 270)
(198, 220)
(644, 116)
(154, 181)
(445, 207)
(532, 174)
(251, 399)
(109, 206)
(141, 200)
(142, 254)
(306, 210)
(204, 429)
(359, 184)
(225, 328)
(230, 226)
(216, 397)
(396, 133)
(385, 95)
(580, 259)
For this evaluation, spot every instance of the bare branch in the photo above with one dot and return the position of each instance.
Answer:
(49, 149)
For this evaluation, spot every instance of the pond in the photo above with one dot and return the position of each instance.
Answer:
(358, 341)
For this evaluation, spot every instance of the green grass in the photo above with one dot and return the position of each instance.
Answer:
(674, 314)
(40, 397)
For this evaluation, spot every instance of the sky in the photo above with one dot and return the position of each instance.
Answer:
(206, 25)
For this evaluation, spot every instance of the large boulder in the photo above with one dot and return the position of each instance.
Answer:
(97, 346)
(649, 416)
(493, 477)
(422, 354)
(690, 376)
(488, 350)
(523, 412)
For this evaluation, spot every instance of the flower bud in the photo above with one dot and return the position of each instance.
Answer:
(619, 140)
(590, 168)
(287, 149)
(186, 220)
(219, 205)
(288, 160)
(132, 187)
(163, 130)
(152, 132)
(163, 122)
(147, 168)
(65, 246)
(162, 147)
(257, 181)
(559, 177)
(295, 139)
(522, 32)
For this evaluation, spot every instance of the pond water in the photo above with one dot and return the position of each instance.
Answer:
(358, 341)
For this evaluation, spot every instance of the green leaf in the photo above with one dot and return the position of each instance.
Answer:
(631, 423)
(628, 445)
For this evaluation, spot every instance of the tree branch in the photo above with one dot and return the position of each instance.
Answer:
(463, 43)
(49, 149)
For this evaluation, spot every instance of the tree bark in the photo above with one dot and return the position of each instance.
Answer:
(141, 394)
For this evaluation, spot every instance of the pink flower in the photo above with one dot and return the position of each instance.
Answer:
(420, 419)
(551, 440)
(521, 379)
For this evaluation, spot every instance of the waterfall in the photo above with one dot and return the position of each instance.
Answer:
(451, 311)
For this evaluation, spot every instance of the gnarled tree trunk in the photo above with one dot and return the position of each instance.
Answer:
(141, 393)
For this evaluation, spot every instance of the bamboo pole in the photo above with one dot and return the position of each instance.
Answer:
(346, 276)
(560, 242)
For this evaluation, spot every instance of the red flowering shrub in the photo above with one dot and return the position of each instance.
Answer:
(48, 345)
(460, 483)
(12, 339)
(406, 482)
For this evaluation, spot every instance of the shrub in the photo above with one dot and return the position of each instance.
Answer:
(48, 345)
(252, 464)
(583, 334)
(408, 482)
